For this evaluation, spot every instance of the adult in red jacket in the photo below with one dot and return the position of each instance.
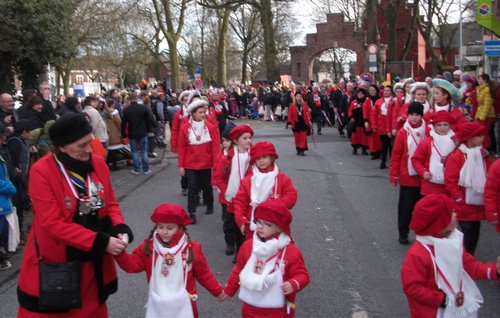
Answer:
(381, 122)
(199, 143)
(270, 269)
(263, 182)
(373, 140)
(76, 218)
(180, 116)
(419, 92)
(356, 120)
(437, 274)
(445, 97)
(187, 264)
(492, 195)
(431, 154)
(465, 176)
(401, 168)
(397, 120)
(299, 117)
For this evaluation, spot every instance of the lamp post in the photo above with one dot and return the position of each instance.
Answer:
(461, 36)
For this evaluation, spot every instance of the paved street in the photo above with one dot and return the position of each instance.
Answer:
(344, 222)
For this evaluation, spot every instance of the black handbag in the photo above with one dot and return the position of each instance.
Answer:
(59, 285)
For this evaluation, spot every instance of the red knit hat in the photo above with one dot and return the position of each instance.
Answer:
(263, 148)
(170, 213)
(432, 214)
(276, 212)
(442, 116)
(469, 130)
(237, 131)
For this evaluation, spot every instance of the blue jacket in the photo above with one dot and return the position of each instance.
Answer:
(6, 189)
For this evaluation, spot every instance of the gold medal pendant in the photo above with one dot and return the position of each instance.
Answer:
(164, 269)
(259, 266)
(459, 299)
(169, 259)
(84, 209)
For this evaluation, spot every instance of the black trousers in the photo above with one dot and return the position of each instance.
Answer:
(232, 235)
(199, 180)
(184, 182)
(471, 234)
(408, 197)
(318, 119)
(386, 145)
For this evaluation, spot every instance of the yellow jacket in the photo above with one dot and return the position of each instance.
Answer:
(484, 103)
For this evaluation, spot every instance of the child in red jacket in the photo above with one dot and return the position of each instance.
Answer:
(492, 195)
(381, 122)
(401, 168)
(437, 273)
(228, 173)
(263, 182)
(270, 269)
(465, 176)
(172, 262)
(431, 154)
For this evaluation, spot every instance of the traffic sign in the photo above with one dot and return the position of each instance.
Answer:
(372, 57)
(372, 49)
(198, 83)
(492, 48)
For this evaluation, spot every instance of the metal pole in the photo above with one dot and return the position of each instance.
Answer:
(461, 36)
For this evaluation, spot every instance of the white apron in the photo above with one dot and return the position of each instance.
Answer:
(168, 297)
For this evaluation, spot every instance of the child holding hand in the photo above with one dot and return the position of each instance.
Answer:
(172, 262)
(270, 269)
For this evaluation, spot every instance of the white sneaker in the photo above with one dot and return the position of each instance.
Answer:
(5, 265)
(147, 172)
(134, 172)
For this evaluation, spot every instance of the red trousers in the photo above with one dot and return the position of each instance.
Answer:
(300, 140)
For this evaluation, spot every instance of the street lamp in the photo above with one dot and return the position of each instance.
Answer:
(461, 36)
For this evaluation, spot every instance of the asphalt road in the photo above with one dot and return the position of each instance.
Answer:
(344, 223)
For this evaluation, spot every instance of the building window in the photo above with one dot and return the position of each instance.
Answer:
(79, 79)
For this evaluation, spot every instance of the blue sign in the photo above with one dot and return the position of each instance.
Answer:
(197, 70)
(492, 48)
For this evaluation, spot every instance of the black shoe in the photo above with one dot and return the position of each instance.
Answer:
(229, 249)
(234, 259)
(403, 241)
(193, 218)
(364, 152)
(383, 166)
(319, 133)
(302, 153)
(354, 151)
(209, 211)
(298, 153)
(184, 192)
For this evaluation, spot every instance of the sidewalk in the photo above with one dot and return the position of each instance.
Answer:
(124, 183)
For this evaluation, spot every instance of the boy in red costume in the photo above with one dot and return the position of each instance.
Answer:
(263, 182)
(270, 269)
(431, 154)
(437, 273)
(465, 176)
(172, 262)
(228, 173)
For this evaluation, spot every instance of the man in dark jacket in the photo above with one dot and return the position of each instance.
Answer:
(137, 121)
(340, 99)
(314, 102)
(48, 109)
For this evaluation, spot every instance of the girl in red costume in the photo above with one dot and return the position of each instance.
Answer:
(299, 117)
(431, 154)
(199, 142)
(399, 94)
(173, 263)
(355, 114)
(374, 144)
(445, 97)
(402, 171)
(465, 176)
(381, 122)
(270, 270)
(228, 173)
(437, 274)
(263, 182)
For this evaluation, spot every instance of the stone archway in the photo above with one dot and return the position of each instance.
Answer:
(334, 30)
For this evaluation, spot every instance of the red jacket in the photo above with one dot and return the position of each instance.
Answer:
(398, 171)
(399, 113)
(220, 177)
(293, 115)
(382, 124)
(139, 262)
(492, 194)
(176, 127)
(420, 160)
(419, 282)
(53, 210)
(295, 272)
(284, 189)
(454, 163)
(198, 157)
